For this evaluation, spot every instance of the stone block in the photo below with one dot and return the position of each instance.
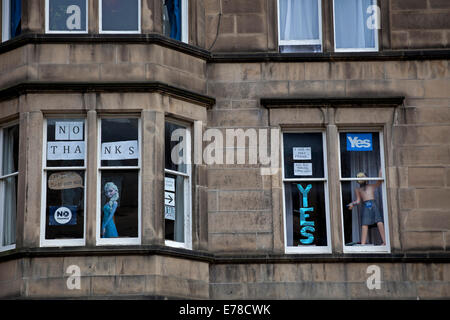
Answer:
(247, 118)
(73, 72)
(388, 290)
(13, 59)
(317, 88)
(421, 135)
(430, 290)
(129, 285)
(240, 43)
(399, 39)
(103, 285)
(234, 72)
(437, 89)
(47, 268)
(56, 288)
(439, 4)
(228, 291)
(410, 88)
(244, 200)
(52, 53)
(427, 220)
(243, 6)
(408, 4)
(232, 242)
(240, 222)
(11, 289)
(250, 23)
(433, 199)
(423, 155)
(413, 240)
(423, 39)
(420, 21)
(401, 69)
(122, 72)
(235, 179)
(426, 177)
(92, 53)
(296, 116)
(9, 271)
(283, 71)
(424, 272)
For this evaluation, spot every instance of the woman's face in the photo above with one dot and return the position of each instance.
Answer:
(110, 192)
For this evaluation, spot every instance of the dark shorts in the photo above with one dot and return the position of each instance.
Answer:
(370, 213)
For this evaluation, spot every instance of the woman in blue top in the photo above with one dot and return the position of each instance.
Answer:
(108, 227)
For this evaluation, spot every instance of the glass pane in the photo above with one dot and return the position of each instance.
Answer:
(303, 155)
(119, 199)
(299, 20)
(368, 214)
(120, 15)
(120, 142)
(301, 48)
(16, 17)
(67, 15)
(65, 205)
(360, 154)
(351, 19)
(9, 210)
(172, 19)
(305, 214)
(174, 207)
(10, 150)
(66, 144)
(175, 147)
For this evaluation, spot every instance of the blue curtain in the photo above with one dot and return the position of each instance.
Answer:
(174, 12)
(16, 14)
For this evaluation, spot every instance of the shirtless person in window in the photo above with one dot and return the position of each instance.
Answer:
(370, 213)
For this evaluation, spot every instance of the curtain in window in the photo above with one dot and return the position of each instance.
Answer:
(10, 184)
(174, 13)
(351, 24)
(299, 20)
(16, 14)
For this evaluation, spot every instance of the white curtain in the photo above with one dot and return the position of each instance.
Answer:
(299, 20)
(10, 184)
(351, 24)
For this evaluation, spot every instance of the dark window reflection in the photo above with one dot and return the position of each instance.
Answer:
(120, 130)
(120, 15)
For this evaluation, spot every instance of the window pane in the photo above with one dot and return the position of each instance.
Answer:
(175, 147)
(369, 212)
(299, 20)
(174, 207)
(360, 153)
(119, 203)
(305, 214)
(120, 15)
(65, 205)
(172, 15)
(67, 15)
(351, 24)
(303, 155)
(16, 17)
(10, 150)
(65, 142)
(9, 210)
(120, 142)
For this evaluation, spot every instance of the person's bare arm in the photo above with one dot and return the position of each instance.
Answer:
(358, 200)
(379, 182)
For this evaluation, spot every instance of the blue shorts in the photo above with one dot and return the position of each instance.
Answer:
(370, 213)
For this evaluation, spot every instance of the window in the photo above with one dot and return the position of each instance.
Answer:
(63, 183)
(363, 192)
(66, 16)
(9, 165)
(300, 25)
(305, 187)
(177, 185)
(120, 16)
(119, 212)
(175, 19)
(11, 19)
(355, 25)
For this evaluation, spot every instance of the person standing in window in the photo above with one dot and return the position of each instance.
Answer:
(370, 213)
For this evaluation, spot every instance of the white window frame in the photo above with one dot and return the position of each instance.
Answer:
(187, 244)
(6, 18)
(100, 21)
(307, 249)
(185, 21)
(61, 242)
(47, 21)
(301, 42)
(370, 248)
(2, 191)
(375, 49)
(125, 240)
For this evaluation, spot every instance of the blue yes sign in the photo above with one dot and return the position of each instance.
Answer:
(359, 142)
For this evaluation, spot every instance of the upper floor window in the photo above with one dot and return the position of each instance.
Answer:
(300, 25)
(355, 25)
(175, 19)
(11, 18)
(66, 16)
(9, 171)
(120, 16)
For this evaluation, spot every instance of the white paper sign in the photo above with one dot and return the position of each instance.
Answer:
(302, 153)
(69, 130)
(65, 150)
(302, 169)
(121, 150)
(169, 199)
(169, 213)
(169, 184)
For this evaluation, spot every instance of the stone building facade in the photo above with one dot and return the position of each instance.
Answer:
(227, 73)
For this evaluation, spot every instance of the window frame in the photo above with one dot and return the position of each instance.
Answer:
(121, 240)
(47, 21)
(6, 19)
(365, 249)
(375, 49)
(301, 42)
(61, 242)
(100, 21)
(2, 178)
(187, 244)
(308, 249)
